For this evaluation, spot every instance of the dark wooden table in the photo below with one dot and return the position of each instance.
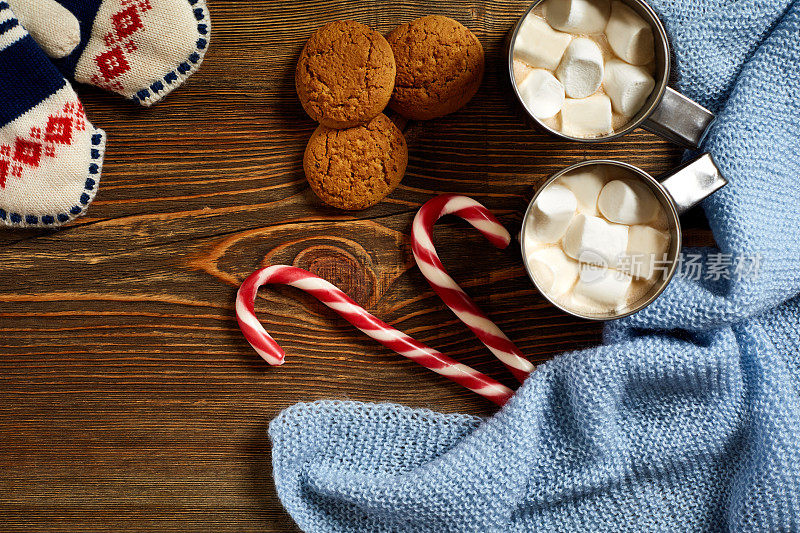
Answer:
(129, 400)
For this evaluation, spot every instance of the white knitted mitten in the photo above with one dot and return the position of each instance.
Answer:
(141, 49)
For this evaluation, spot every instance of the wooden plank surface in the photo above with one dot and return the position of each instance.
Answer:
(128, 398)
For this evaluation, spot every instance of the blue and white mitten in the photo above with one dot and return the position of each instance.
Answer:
(141, 49)
(50, 155)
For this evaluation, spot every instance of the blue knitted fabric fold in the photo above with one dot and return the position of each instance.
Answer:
(687, 418)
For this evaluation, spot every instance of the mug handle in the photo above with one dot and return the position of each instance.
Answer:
(693, 182)
(679, 119)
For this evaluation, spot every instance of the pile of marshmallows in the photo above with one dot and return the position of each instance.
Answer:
(596, 244)
(584, 67)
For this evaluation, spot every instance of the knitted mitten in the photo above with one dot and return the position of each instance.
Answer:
(141, 49)
(50, 155)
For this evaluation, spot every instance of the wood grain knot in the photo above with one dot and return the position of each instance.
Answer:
(336, 250)
(341, 268)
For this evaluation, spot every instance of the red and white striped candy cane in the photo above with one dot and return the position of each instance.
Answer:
(337, 300)
(449, 291)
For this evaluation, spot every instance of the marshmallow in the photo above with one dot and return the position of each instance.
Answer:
(538, 44)
(586, 186)
(627, 86)
(629, 35)
(581, 68)
(542, 93)
(555, 273)
(521, 70)
(577, 16)
(552, 213)
(602, 287)
(646, 251)
(628, 202)
(595, 241)
(587, 117)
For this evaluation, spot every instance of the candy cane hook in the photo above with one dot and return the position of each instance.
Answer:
(330, 295)
(447, 289)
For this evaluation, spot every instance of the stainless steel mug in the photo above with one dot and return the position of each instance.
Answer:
(676, 192)
(666, 112)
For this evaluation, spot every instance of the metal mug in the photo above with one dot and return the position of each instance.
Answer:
(666, 112)
(677, 192)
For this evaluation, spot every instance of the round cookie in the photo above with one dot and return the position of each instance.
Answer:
(357, 167)
(440, 66)
(345, 75)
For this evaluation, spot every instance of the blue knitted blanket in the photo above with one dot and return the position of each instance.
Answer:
(687, 418)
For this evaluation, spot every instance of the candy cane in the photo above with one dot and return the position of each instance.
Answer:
(449, 291)
(337, 300)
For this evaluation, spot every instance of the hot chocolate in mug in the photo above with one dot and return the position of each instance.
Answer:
(601, 239)
(624, 25)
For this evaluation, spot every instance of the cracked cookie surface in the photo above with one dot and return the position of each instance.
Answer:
(440, 65)
(345, 74)
(356, 168)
